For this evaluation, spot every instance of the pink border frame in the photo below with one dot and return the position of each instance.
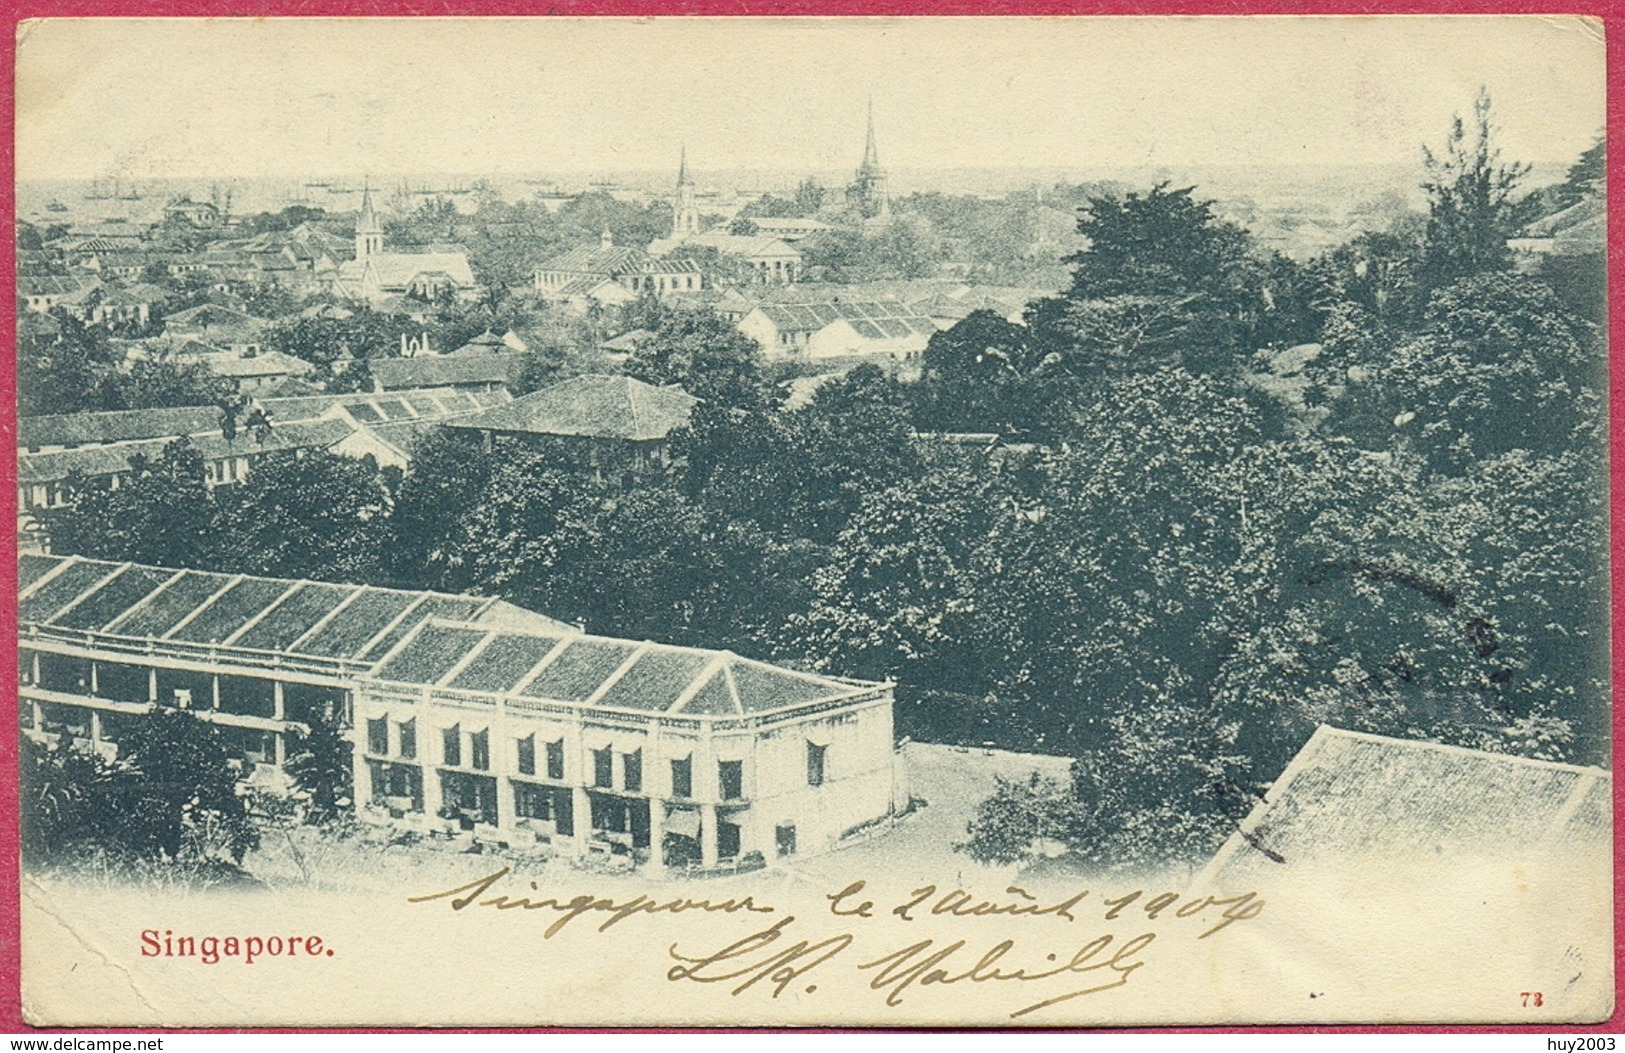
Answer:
(1612, 12)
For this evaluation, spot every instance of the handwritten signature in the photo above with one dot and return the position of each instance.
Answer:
(786, 955)
(923, 963)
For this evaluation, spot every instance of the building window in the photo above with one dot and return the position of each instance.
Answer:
(451, 746)
(784, 838)
(727, 839)
(632, 770)
(378, 737)
(815, 764)
(409, 739)
(682, 777)
(532, 802)
(731, 778)
(603, 768)
(555, 759)
(480, 746)
(527, 755)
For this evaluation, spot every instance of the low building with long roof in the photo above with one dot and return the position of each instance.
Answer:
(469, 717)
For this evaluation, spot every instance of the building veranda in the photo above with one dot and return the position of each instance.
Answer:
(469, 718)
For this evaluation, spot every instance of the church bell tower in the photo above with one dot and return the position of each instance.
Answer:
(369, 233)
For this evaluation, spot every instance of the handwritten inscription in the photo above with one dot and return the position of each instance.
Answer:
(1044, 957)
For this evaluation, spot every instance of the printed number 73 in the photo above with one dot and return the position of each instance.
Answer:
(1531, 999)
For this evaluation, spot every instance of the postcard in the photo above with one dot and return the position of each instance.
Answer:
(980, 522)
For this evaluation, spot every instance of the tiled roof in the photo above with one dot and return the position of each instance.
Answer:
(397, 269)
(213, 316)
(1351, 796)
(484, 344)
(73, 429)
(313, 620)
(445, 370)
(610, 407)
(264, 364)
(614, 262)
(597, 672)
(748, 246)
(871, 319)
(56, 465)
(49, 286)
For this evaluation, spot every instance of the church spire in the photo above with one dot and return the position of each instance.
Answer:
(685, 211)
(868, 190)
(871, 156)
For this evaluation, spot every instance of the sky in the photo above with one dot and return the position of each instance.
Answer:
(174, 98)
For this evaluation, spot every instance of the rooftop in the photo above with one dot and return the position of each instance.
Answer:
(92, 461)
(404, 639)
(610, 261)
(433, 371)
(75, 429)
(593, 405)
(1348, 795)
(601, 672)
(871, 319)
(328, 622)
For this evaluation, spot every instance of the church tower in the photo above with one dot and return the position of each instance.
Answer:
(868, 191)
(685, 214)
(369, 233)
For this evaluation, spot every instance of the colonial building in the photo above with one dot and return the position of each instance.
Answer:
(470, 718)
(199, 214)
(745, 258)
(838, 329)
(376, 275)
(611, 275)
(103, 644)
(618, 424)
(258, 372)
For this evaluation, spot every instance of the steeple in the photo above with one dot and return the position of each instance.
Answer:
(868, 190)
(685, 211)
(871, 155)
(369, 233)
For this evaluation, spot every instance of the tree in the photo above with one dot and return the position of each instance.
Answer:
(447, 476)
(322, 768)
(987, 374)
(705, 355)
(64, 797)
(66, 372)
(162, 513)
(306, 514)
(1163, 277)
(324, 339)
(176, 793)
(1470, 192)
(1499, 365)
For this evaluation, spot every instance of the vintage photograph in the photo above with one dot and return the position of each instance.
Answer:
(1007, 522)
